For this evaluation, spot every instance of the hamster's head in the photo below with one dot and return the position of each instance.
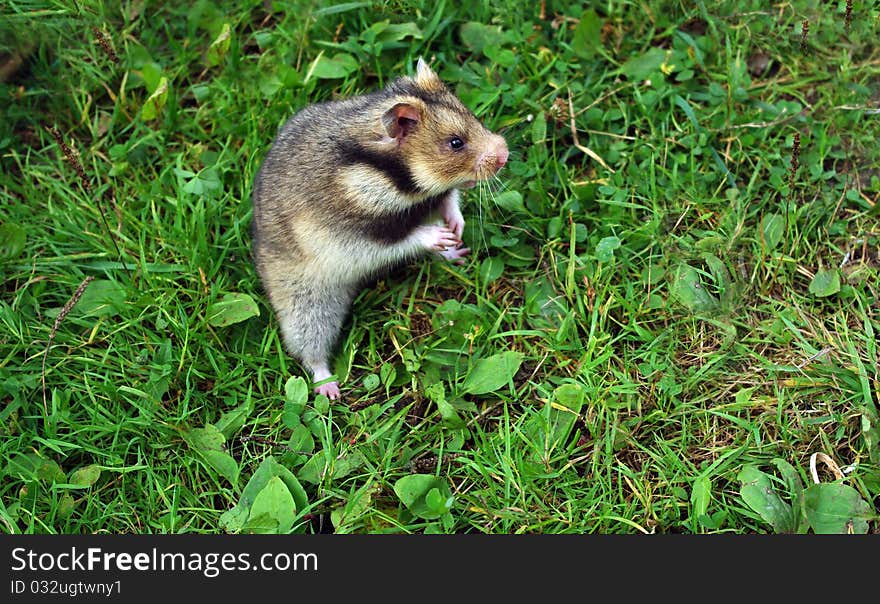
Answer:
(440, 140)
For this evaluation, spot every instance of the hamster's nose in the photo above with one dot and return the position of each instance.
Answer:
(501, 153)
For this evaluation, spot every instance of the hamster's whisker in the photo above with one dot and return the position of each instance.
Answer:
(493, 188)
(496, 186)
(496, 180)
(480, 205)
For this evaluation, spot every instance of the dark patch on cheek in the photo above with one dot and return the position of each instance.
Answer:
(392, 166)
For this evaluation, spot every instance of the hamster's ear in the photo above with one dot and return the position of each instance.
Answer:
(401, 120)
(425, 76)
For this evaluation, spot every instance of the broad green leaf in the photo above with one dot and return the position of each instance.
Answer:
(151, 74)
(234, 520)
(232, 308)
(233, 420)
(206, 182)
(437, 503)
(410, 488)
(301, 441)
(85, 476)
(313, 470)
(371, 381)
(453, 320)
(370, 34)
(261, 524)
(337, 519)
(322, 404)
(413, 490)
(449, 416)
(758, 493)
(265, 38)
(31, 466)
(554, 227)
(224, 463)
(834, 508)
(570, 396)
(387, 373)
(491, 268)
(267, 469)
(550, 429)
(871, 433)
(568, 400)
(652, 274)
(300, 498)
(500, 241)
(318, 467)
(641, 66)
(795, 490)
(511, 201)
(543, 305)
(476, 36)
(208, 438)
(492, 373)
(687, 287)
(341, 65)
(717, 269)
(208, 443)
(772, 229)
(156, 102)
(396, 32)
(356, 507)
(296, 394)
(825, 283)
(701, 495)
(539, 129)
(12, 240)
(269, 84)
(500, 56)
(50, 472)
(101, 298)
(66, 504)
(605, 248)
(588, 34)
(743, 395)
(273, 501)
(345, 465)
(688, 111)
(219, 47)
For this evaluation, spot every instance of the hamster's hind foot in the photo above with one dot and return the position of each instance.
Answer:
(330, 390)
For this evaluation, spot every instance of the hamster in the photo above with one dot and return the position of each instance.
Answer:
(354, 187)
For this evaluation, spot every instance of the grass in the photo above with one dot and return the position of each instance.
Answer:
(687, 292)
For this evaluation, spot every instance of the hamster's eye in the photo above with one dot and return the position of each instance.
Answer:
(456, 144)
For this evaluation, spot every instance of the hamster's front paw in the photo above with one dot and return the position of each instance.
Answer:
(455, 254)
(453, 219)
(438, 238)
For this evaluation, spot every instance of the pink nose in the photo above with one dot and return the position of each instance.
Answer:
(501, 154)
